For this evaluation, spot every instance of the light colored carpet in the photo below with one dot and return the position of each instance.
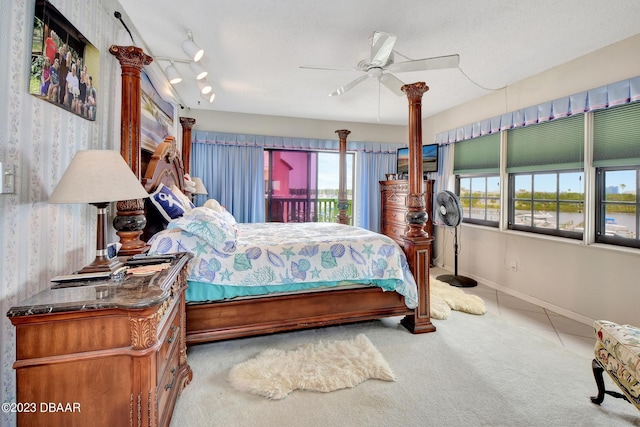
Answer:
(445, 298)
(323, 366)
(473, 371)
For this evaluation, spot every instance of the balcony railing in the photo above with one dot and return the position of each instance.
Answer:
(304, 210)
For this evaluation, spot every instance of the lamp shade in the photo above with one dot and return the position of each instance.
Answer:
(97, 176)
(193, 50)
(200, 188)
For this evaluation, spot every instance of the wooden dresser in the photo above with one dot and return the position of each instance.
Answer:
(103, 353)
(393, 198)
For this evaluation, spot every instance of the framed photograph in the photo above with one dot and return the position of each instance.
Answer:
(156, 115)
(64, 65)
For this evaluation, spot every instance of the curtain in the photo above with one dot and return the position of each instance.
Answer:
(371, 168)
(231, 167)
(234, 176)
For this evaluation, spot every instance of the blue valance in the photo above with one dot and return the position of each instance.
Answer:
(610, 95)
(289, 143)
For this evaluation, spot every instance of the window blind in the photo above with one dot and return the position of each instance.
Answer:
(554, 145)
(478, 155)
(616, 136)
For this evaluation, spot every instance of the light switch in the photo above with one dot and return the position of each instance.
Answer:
(8, 178)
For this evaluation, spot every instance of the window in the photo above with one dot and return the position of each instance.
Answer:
(546, 179)
(547, 203)
(477, 167)
(480, 199)
(616, 155)
(302, 186)
(617, 200)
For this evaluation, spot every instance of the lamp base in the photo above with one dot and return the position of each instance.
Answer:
(131, 243)
(101, 264)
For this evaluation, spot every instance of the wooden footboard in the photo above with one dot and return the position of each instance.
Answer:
(255, 316)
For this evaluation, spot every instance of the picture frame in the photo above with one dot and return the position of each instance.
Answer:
(65, 66)
(156, 115)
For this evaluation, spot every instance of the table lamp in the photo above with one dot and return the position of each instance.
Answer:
(98, 177)
(200, 188)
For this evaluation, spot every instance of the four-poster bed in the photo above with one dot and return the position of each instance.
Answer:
(247, 316)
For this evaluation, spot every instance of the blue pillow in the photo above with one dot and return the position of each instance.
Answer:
(167, 203)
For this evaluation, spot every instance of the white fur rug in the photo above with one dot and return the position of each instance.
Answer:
(445, 298)
(323, 366)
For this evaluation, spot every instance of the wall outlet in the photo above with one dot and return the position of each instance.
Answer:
(514, 265)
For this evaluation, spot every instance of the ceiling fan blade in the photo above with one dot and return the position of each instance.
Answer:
(381, 47)
(349, 85)
(392, 83)
(313, 67)
(435, 63)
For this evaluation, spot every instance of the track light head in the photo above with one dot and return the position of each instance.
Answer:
(191, 49)
(172, 74)
(205, 87)
(198, 70)
(209, 97)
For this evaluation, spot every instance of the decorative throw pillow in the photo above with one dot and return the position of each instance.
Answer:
(167, 203)
(186, 203)
(209, 226)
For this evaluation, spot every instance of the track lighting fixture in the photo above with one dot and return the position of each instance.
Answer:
(205, 87)
(198, 70)
(172, 74)
(208, 97)
(195, 54)
(191, 49)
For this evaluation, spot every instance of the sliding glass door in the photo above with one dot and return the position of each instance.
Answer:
(302, 186)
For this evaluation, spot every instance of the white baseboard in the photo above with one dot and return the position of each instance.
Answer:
(533, 300)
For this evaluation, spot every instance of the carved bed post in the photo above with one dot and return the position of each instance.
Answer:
(130, 220)
(417, 242)
(343, 204)
(187, 123)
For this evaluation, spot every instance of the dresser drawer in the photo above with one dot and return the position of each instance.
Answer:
(395, 215)
(166, 390)
(393, 230)
(170, 337)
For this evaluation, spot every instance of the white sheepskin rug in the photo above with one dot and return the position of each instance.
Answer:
(323, 366)
(445, 298)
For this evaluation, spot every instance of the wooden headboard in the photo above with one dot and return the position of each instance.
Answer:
(165, 167)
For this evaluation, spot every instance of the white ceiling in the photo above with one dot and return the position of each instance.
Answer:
(254, 48)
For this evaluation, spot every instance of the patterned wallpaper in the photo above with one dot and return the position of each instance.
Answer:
(39, 240)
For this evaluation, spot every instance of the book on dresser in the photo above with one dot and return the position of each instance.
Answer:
(393, 199)
(103, 352)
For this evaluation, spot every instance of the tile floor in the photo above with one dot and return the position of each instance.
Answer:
(569, 333)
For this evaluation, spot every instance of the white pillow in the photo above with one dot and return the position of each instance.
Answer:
(214, 205)
(186, 203)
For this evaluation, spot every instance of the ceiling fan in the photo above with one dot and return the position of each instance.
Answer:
(381, 64)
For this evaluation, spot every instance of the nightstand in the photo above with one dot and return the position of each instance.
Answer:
(103, 352)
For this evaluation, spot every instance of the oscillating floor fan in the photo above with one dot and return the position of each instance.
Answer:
(450, 213)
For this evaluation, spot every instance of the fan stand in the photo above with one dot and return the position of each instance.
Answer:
(454, 279)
